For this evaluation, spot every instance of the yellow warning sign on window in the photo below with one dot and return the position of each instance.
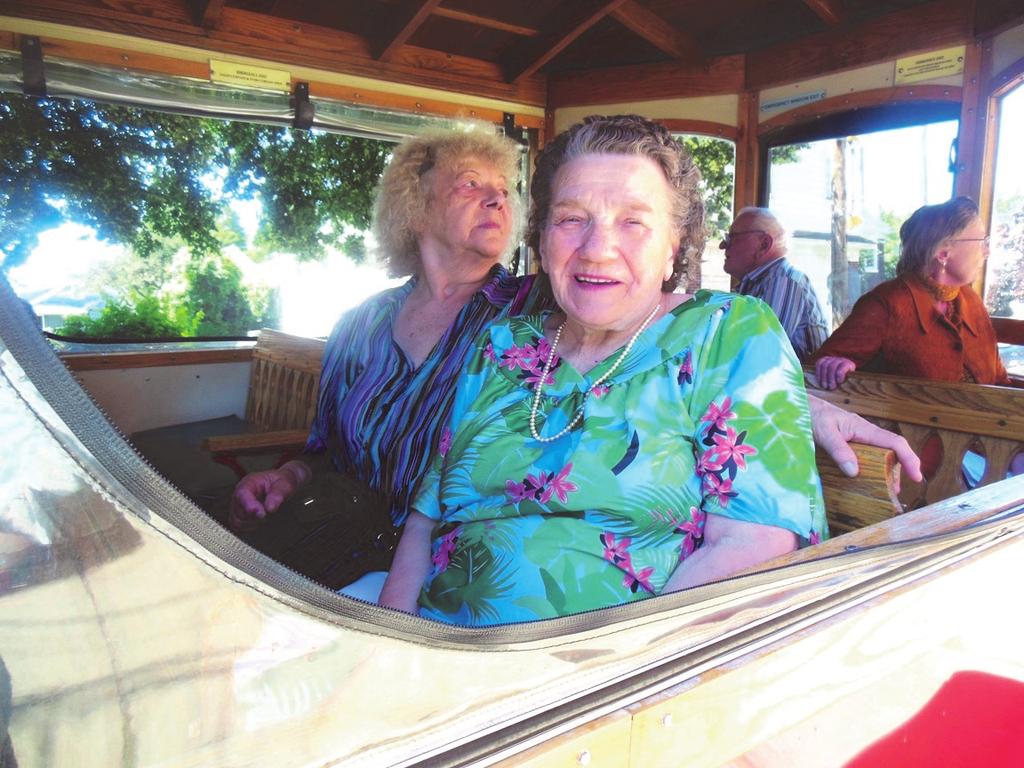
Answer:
(928, 66)
(234, 73)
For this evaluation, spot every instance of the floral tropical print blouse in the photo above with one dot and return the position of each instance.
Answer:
(707, 414)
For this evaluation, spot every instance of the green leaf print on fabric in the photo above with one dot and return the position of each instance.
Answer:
(474, 578)
(553, 592)
(781, 432)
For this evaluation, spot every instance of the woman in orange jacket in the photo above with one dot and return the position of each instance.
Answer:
(928, 322)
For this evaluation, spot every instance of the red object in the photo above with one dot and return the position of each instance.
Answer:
(974, 720)
(895, 329)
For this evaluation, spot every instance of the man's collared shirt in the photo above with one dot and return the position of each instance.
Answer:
(788, 292)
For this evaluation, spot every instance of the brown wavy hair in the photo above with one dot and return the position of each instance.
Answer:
(629, 135)
(927, 227)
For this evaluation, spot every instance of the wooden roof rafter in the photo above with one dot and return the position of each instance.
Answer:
(663, 35)
(484, 21)
(207, 12)
(829, 11)
(409, 18)
(573, 19)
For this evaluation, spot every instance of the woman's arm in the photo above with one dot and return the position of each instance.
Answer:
(411, 565)
(729, 547)
(857, 341)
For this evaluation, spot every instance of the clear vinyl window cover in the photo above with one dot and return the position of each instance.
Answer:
(206, 99)
(203, 99)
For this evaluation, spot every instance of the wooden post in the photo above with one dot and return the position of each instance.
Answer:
(747, 151)
(973, 113)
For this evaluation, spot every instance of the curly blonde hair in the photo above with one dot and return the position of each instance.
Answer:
(405, 188)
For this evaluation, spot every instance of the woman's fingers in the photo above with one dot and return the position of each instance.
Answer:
(832, 371)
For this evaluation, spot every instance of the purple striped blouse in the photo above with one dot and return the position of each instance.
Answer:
(378, 416)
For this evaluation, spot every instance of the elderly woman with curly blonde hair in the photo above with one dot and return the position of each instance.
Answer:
(447, 209)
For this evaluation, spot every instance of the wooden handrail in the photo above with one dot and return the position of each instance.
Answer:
(1009, 330)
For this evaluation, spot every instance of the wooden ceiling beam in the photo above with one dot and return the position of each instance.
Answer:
(658, 32)
(934, 25)
(829, 11)
(258, 36)
(571, 21)
(207, 12)
(484, 21)
(640, 82)
(409, 18)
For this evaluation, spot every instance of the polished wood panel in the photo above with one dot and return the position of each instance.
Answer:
(1009, 330)
(857, 502)
(646, 81)
(941, 517)
(106, 361)
(961, 417)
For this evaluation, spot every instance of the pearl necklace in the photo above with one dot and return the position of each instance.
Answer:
(595, 385)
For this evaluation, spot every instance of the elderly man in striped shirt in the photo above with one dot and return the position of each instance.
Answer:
(755, 254)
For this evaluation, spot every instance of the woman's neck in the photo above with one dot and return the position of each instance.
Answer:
(585, 347)
(446, 277)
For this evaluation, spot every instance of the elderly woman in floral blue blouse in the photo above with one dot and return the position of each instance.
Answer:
(633, 442)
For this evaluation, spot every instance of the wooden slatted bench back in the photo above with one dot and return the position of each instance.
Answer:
(987, 419)
(284, 381)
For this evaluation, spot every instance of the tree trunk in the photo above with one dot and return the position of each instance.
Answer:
(840, 269)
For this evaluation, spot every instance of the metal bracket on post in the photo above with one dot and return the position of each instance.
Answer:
(508, 124)
(33, 74)
(303, 107)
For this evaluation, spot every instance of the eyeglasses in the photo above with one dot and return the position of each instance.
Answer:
(983, 240)
(730, 236)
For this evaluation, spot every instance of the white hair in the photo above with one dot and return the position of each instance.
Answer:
(762, 218)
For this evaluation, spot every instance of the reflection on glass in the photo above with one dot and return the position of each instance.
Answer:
(843, 200)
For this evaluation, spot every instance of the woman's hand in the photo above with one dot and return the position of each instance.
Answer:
(411, 565)
(832, 371)
(259, 494)
(730, 546)
(834, 428)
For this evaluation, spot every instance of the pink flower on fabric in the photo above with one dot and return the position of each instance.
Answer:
(729, 446)
(720, 488)
(517, 491)
(445, 549)
(616, 552)
(641, 579)
(600, 390)
(559, 485)
(489, 353)
(518, 357)
(815, 537)
(717, 416)
(446, 441)
(708, 463)
(685, 370)
(542, 351)
(534, 376)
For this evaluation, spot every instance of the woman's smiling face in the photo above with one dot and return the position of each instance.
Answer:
(608, 245)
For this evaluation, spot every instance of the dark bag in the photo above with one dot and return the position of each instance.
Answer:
(333, 531)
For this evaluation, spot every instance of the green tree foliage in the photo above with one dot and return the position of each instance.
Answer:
(140, 316)
(139, 177)
(1007, 282)
(716, 160)
(215, 294)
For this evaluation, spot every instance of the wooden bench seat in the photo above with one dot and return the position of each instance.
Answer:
(941, 419)
(281, 400)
